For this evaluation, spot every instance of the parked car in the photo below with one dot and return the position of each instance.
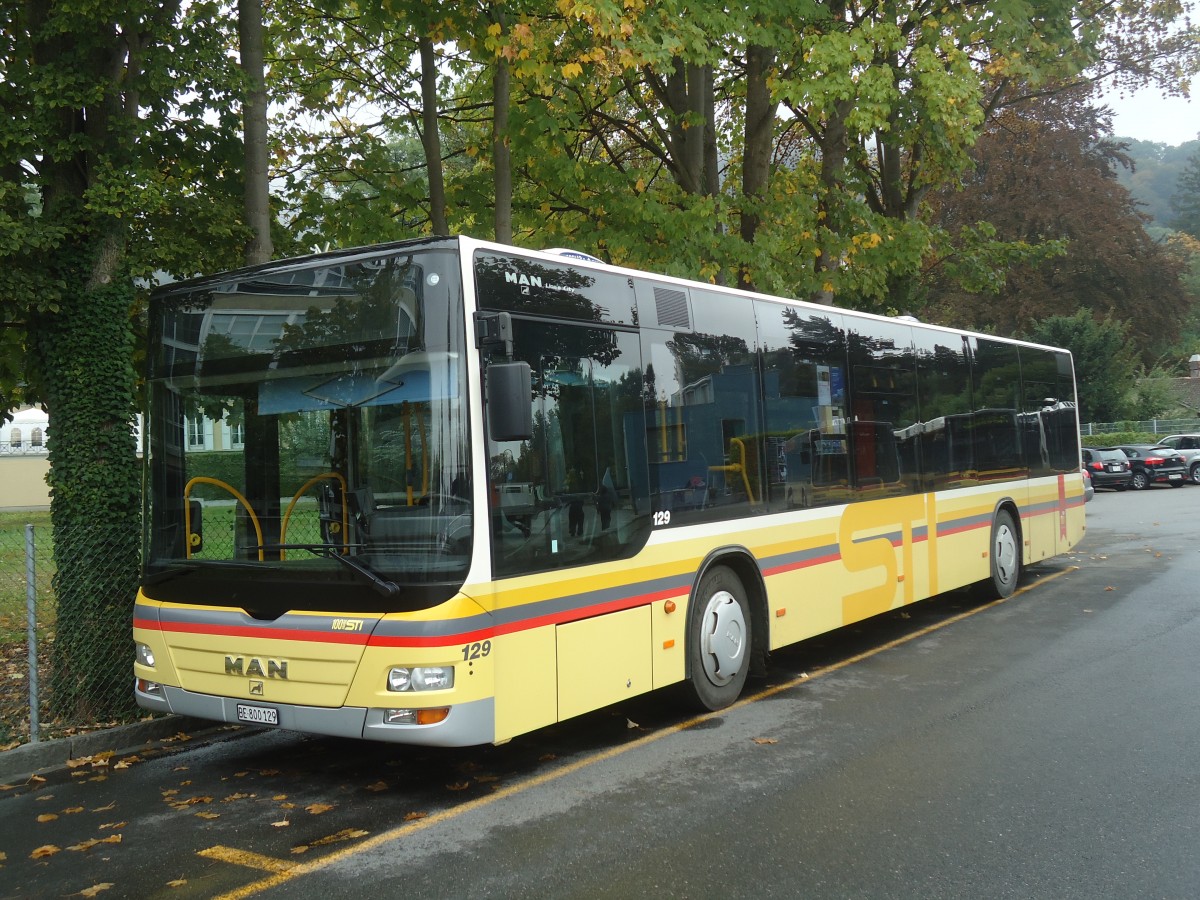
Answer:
(1153, 464)
(1187, 446)
(1089, 490)
(1108, 468)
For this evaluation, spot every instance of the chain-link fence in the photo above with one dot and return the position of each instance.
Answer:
(1149, 426)
(66, 601)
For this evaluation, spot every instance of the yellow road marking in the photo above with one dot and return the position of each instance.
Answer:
(286, 873)
(248, 859)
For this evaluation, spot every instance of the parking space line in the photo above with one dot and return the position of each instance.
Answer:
(247, 858)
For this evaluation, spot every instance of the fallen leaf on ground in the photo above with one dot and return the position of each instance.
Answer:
(205, 814)
(47, 817)
(108, 825)
(44, 851)
(378, 786)
(178, 882)
(105, 808)
(317, 808)
(766, 740)
(413, 816)
(95, 889)
(72, 810)
(458, 786)
(281, 824)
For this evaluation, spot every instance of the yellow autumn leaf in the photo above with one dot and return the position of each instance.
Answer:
(44, 851)
(766, 740)
(47, 817)
(458, 786)
(283, 823)
(414, 816)
(378, 786)
(95, 889)
(178, 882)
(572, 70)
(494, 29)
(317, 808)
(84, 845)
(204, 814)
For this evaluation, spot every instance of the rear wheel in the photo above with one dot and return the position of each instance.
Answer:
(1194, 473)
(1005, 554)
(1140, 481)
(718, 640)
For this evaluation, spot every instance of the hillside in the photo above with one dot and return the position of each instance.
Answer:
(1157, 168)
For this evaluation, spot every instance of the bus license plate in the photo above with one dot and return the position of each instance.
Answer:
(257, 715)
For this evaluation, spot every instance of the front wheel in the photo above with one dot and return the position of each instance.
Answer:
(1005, 554)
(718, 640)
(1194, 473)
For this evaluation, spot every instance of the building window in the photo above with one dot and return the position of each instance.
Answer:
(14, 439)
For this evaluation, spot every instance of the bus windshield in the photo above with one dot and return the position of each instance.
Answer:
(308, 420)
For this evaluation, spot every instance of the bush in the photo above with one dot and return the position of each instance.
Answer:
(1117, 438)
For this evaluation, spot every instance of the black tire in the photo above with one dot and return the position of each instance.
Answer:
(719, 640)
(1194, 473)
(1004, 555)
(1179, 483)
(1140, 481)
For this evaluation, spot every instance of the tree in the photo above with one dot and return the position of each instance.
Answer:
(1186, 199)
(1043, 175)
(98, 185)
(1105, 366)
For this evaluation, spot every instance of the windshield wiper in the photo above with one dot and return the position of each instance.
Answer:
(381, 584)
(176, 569)
(173, 571)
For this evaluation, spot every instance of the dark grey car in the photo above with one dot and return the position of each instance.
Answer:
(1108, 468)
(1153, 464)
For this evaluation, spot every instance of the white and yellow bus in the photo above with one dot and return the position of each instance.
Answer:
(447, 492)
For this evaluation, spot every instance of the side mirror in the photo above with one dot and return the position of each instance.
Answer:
(509, 407)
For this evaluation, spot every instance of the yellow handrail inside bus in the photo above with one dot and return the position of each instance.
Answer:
(336, 476)
(187, 511)
(737, 468)
(406, 410)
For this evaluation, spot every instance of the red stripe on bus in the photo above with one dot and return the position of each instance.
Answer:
(283, 634)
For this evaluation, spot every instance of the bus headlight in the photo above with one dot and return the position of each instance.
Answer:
(145, 656)
(420, 678)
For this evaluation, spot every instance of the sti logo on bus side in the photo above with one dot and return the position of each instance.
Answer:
(274, 668)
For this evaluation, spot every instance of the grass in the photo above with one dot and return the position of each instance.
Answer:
(12, 569)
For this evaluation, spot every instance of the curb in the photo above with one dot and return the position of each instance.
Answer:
(19, 763)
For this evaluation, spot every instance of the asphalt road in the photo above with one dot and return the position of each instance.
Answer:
(1044, 746)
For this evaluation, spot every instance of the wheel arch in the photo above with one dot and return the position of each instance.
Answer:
(742, 563)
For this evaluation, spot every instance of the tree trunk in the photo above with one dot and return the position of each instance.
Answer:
(758, 141)
(430, 138)
(502, 152)
(259, 248)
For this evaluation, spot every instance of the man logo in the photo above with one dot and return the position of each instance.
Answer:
(274, 668)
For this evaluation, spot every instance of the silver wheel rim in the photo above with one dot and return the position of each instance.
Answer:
(1005, 554)
(722, 638)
